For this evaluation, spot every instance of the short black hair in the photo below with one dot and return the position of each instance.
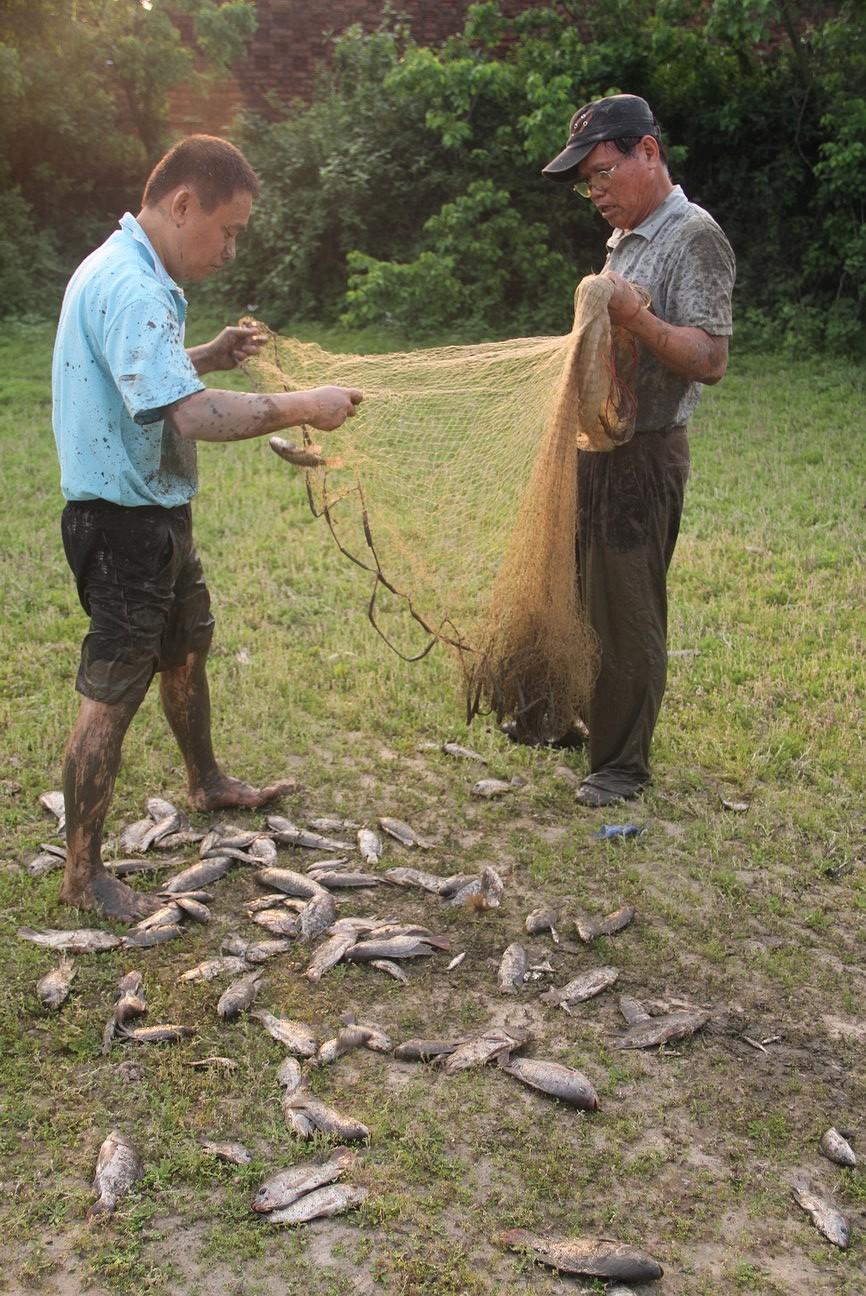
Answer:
(628, 144)
(213, 167)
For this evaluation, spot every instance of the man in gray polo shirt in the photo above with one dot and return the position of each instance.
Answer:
(630, 498)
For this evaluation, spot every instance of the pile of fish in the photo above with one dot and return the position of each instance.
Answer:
(309, 1191)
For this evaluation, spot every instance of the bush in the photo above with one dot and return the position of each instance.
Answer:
(31, 268)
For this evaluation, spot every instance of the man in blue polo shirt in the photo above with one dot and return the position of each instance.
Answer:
(129, 406)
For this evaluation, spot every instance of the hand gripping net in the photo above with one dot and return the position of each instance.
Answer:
(455, 489)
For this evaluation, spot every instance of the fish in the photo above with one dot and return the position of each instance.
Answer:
(402, 833)
(289, 834)
(660, 1030)
(424, 1050)
(512, 969)
(325, 1118)
(334, 1199)
(158, 808)
(410, 877)
(483, 892)
(397, 947)
(736, 807)
(632, 1010)
(331, 824)
(289, 882)
(829, 1222)
(263, 851)
(44, 863)
(54, 987)
(261, 951)
(289, 1076)
(134, 834)
(169, 1033)
(592, 1257)
(126, 867)
(239, 995)
(178, 840)
(489, 788)
(228, 1064)
(455, 962)
(370, 845)
(197, 875)
(542, 919)
(234, 944)
(285, 1187)
(222, 851)
(303, 456)
(130, 999)
(118, 1167)
(53, 802)
(329, 953)
(86, 940)
(836, 1148)
(349, 1038)
(294, 1036)
(463, 753)
(317, 915)
(282, 922)
(169, 915)
(588, 930)
(236, 1153)
(483, 1049)
(387, 930)
(154, 936)
(273, 900)
(50, 849)
(194, 908)
(327, 865)
(296, 1121)
(170, 826)
(333, 879)
(562, 1082)
(583, 987)
(393, 969)
(223, 965)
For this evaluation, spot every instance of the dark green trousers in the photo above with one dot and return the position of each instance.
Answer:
(630, 503)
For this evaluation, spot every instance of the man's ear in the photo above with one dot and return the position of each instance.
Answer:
(649, 146)
(180, 205)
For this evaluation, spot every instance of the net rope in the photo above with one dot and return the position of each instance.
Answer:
(455, 489)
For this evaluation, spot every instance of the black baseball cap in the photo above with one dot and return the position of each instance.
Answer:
(615, 117)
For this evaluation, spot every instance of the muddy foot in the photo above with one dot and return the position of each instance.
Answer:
(224, 792)
(111, 897)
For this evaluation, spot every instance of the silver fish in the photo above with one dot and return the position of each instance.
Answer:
(197, 875)
(632, 1010)
(489, 788)
(46, 862)
(87, 940)
(329, 953)
(282, 922)
(289, 1076)
(836, 1148)
(402, 833)
(593, 1257)
(169, 826)
(483, 892)
(512, 969)
(410, 877)
(387, 930)
(222, 851)
(334, 1199)
(236, 1153)
(296, 1121)
(289, 834)
(169, 915)
(227, 1064)
(224, 965)
(294, 1036)
(118, 1166)
(263, 850)
(325, 1118)
(153, 936)
(659, 1030)
(334, 880)
(239, 995)
(289, 882)
(542, 920)
(463, 753)
(234, 944)
(327, 865)
(130, 999)
(273, 900)
(54, 987)
(317, 915)
(484, 1048)
(398, 947)
(393, 969)
(261, 951)
(193, 908)
(424, 1050)
(169, 1033)
(177, 840)
(563, 1082)
(285, 1187)
(331, 824)
(126, 867)
(54, 804)
(583, 987)
(58, 851)
(588, 929)
(455, 962)
(370, 845)
(829, 1222)
(134, 834)
(347, 1039)
(158, 809)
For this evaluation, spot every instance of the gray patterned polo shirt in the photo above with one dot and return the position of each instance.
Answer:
(682, 258)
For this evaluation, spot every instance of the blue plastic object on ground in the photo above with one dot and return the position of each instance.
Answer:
(618, 830)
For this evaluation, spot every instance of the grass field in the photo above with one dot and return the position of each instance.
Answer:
(759, 916)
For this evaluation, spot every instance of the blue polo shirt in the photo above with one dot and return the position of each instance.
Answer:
(119, 360)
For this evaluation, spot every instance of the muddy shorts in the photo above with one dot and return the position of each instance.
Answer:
(141, 583)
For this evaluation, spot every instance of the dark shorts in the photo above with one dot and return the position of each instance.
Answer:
(141, 583)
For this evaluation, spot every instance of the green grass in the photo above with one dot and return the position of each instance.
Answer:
(760, 916)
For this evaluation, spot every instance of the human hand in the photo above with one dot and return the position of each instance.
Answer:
(626, 302)
(233, 346)
(332, 406)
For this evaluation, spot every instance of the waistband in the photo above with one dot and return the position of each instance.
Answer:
(665, 431)
(108, 509)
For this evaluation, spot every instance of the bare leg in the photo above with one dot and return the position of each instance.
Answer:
(186, 701)
(89, 772)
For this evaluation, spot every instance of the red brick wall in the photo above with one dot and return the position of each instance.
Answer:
(292, 37)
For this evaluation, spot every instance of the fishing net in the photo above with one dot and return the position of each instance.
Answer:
(455, 489)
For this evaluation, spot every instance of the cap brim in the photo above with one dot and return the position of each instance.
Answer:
(565, 164)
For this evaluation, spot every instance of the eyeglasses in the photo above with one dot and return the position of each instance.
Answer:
(598, 180)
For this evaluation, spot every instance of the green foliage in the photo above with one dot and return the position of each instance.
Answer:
(31, 270)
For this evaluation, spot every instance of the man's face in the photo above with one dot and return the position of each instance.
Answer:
(626, 200)
(208, 240)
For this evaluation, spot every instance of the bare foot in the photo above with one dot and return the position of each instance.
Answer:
(111, 897)
(223, 792)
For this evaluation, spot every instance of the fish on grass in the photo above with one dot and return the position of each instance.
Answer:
(829, 1222)
(86, 940)
(317, 915)
(261, 951)
(317, 1115)
(288, 834)
(239, 995)
(542, 919)
(370, 845)
(287, 1186)
(144, 939)
(235, 1153)
(44, 863)
(482, 892)
(402, 833)
(294, 1036)
(391, 969)
(563, 1082)
(54, 804)
(129, 1003)
(662, 1030)
(396, 947)
(333, 824)
(334, 1199)
(118, 1166)
(836, 1148)
(589, 929)
(222, 965)
(589, 1257)
(197, 875)
(462, 753)
(336, 879)
(54, 987)
(489, 788)
(489, 1047)
(169, 1033)
(583, 987)
(329, 953)
(512, 969)
(425, 1050)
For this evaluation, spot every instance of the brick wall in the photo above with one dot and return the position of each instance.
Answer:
(292, 37)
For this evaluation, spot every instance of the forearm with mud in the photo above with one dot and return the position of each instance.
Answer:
(216, 415)
(688, 352)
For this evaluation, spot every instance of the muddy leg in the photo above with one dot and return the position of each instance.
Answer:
(89, 772)
(186, 701)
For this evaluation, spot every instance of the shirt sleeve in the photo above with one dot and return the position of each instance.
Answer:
(145, 353)
(701, 282)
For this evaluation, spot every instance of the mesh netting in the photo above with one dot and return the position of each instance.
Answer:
(455, 488)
